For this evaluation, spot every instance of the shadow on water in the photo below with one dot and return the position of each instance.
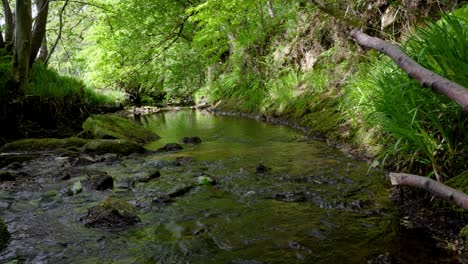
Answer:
(315, 204)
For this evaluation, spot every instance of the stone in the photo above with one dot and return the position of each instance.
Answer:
(191, 140)
(170, 147)
(43, 144)
(262, 168)
(6, 176)
(114, 127)
(205, 180)
(98, 182)
(184, 160)
(76, 188)
(147, 176)
(116, 146)
(4, 235)
(112, 212)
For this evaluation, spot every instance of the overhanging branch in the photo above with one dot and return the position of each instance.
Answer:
(425, 77)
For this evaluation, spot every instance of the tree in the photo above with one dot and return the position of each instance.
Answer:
(26, 42)
(22, 46)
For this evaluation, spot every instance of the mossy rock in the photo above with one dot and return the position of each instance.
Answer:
(114, 127)
(4, 235)
(112, 212)
(459, 182)
(41, 144)
(117, 146)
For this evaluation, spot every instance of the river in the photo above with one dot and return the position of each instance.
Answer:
(310, 203)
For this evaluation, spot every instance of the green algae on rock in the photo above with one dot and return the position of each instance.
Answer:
(114, 127)
(112, 212)
(41, 144)
(4, 235)
(117, 146)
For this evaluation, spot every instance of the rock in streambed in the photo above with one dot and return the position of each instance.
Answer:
(114, 127)
(4, 235)
(112, 212)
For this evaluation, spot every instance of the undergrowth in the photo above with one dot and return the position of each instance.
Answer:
(361, 98)
(422, 132)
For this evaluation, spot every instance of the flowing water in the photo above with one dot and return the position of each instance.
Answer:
(315, 204)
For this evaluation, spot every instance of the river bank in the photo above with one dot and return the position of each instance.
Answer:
(418, 209)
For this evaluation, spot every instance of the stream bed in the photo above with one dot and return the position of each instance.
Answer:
(278, 198)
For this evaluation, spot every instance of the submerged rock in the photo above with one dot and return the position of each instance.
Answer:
(112, 212)
(116, 146)
(147, 176)
(205, 180)
(291, 197)
(4, 235)
(98, 182)
(114, 127)
(43, 144)
(262, 168)
(170, 147)
(191, 140)
(6, 176)
(179, 161)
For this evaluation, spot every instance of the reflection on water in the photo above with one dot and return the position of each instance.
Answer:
(315, 205)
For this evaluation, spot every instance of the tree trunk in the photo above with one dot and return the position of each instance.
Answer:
(22, 46)
(38, 34)
(434, 187)
(9, 21)
(2, 42)
(425, 77)
(43, 51)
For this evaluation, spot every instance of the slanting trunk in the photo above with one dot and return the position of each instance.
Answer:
(434, 187)
(425, 77)
(22, 46)
(9, 21)
(38, 34)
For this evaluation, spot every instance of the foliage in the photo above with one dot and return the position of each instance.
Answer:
(424, 132)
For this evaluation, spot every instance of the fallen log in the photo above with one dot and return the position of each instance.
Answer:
(425, 77)
(434, 187)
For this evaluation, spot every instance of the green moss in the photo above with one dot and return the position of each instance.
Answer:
(121, 206)
(460, 182)
(35, 144)
(4, 235)
(114, 127)
(117, 146)
(464, 233)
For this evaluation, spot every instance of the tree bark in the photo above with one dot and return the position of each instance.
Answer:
(38, 34)
(425, 77)
(434, 187)
(22, 46)
(9, 21)
(2, 42)
(43, 51)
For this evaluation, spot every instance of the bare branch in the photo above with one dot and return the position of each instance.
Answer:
(434, 187)
(425, 77)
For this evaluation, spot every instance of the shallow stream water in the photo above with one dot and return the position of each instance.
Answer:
(315, 204)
